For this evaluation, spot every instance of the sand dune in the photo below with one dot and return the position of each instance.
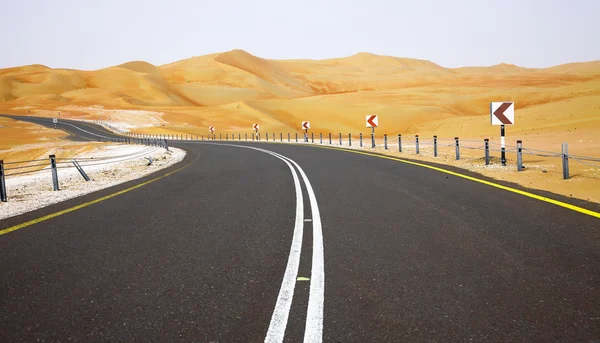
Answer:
(234, 89)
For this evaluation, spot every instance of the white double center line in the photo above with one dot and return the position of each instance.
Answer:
(314, 316)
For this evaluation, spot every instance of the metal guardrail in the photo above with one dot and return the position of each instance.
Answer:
(486, 146)
(54, 163)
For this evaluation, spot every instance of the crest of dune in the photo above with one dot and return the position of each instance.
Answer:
(235, 89)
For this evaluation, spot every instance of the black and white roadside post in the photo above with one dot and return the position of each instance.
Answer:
(565, 160)
(372, 122)
(255, 128)
(487, 151)
(417, 144)
(360, 139)
(54, 172)
(435, 150)
(312, 137)
(349, 139)
(2, 182)
(266, 136)
(296, 137)
(330, 138)
(502, 145)
(519, 155)
(320, 138)
(226, 136)
(55, 120)
(457, 148)
(306, 126)
(289, 139)
(399, 142)
(273, 136)
(340, 138)
(281, 136)
(502, 113)
(385, 141)
(239, 136)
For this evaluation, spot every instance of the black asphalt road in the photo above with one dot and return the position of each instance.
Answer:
(411, 255)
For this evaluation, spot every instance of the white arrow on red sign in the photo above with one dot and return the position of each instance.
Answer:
(255, 127)
(372, 120)
(212, 129)
(502, 113)
(306, 125)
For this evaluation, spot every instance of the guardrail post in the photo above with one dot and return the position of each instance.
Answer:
(320, 138)
(281, 136)
(565, 160)
(340, 134)
(80, 170)
(417, 143)
(435, 153)
(457, 148)
(2, 182)
(312, 137)
(360, 139)
(519, 155)
(54, 172)
(399, 142)
(349, 139)
(385, 141)
(487, 151)
(296, 137)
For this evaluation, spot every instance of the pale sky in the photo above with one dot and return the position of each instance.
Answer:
(92, 34)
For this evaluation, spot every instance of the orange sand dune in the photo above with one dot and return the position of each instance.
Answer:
(234, 89)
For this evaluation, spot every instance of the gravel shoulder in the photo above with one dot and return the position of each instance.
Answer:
(106, 167)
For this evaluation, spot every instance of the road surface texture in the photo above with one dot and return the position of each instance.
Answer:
(244, 245)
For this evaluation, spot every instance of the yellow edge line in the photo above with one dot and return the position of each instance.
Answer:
(510, 189)
(86, 204)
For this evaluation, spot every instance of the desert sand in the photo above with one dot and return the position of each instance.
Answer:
(234, 89)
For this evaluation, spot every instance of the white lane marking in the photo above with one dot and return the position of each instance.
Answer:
(281, 313)
(308, 220)
(314, 316)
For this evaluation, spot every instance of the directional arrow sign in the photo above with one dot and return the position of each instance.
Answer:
(372, 120)
(502, 113)
(212, 129)
(54, 120)
(255, 127)
(306, 125)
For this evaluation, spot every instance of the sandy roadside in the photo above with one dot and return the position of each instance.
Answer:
(107, 166)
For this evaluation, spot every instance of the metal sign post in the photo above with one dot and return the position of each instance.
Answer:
(372, 122)
(502, 113)
(306, 126)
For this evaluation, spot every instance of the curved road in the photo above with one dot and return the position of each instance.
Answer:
(254, 242)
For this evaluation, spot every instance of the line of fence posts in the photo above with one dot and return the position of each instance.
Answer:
(148, 140)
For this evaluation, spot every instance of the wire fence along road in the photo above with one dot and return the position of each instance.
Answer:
(395, 142)
(53, 164)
